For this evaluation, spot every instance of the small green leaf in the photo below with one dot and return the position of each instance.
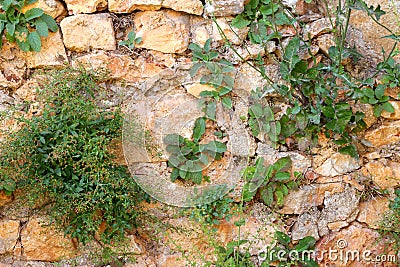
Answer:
(350, 150)
(51, 23)
(306, 243)
(34, 41)
(267, 195)
(282, 238)
(240, 22)
(282, 176)
(42, 28)
(33, 13)
(199, 128)
(388, 107)
(227, 102)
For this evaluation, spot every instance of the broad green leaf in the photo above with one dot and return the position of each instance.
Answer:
(10, 27)
(282, 238)
(388, 107)
(267, 195)
(227, 102)
(33, 13)
(216, 146)
(306, 243)
(195, 68)
(256, 110)
(248, 194)
(283, 164)
(282, 176)
(42, 28)
(51, 23)
(34, 41)
(350, 150)
(240, 22)
(380, 91)
(199, 128)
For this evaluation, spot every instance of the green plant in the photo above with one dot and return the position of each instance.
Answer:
(25, 28)
(8, 186)
(218, 75)
(212, 213)
(61, 158)
(131, 41)
(188, 158)
(285, 254)
(272, 182)
(231, 255)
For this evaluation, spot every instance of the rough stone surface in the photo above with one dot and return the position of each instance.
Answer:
(373, 211)
(12, 66)
(387, 133)
(338, 164)
(396, 114)
(165, 31)
(306, 225)
(317, 27)
(85, 6)
(42, 243)
(196, 88)
(127, 6)
(123, 67)
(326, 41)
(53, 8)
(236, 37)
(224, 8)
(384, 173)
(9, 231)
(51, 54)
(85, 32)
(188, 6)
(353, 238)
(298, 202)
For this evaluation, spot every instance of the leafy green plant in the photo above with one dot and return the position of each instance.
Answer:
(62, 158)
(262, 121)
(212, 213)
(218, 75)
(273, 182)
(231, 256)
(286, 254)
(8, 186)
(188, 158)
(25, 29)
(131, 41)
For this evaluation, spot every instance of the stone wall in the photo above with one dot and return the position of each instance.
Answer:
(329, 207)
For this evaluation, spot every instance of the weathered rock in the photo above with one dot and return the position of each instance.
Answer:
(175, 260)
(339, 209)
(85, 6)
(371, 31)
(51, 54)
(44, 243)
(396, 114)
(373, 211)
(166, 31)
(28, 90)
(224, 8)
(384, 173)
(306, 225)
(387, 133)
(5, 101)
(85, 32)
(127, 6)
(338, 164)
(122, 67)
(236, 37)
(12, 66)
(325, 42)
(196, 88)
(53, 8)
(188, 6)
(310, 196)
(364, 242)
(317, 27)
(9, 232)
(200, 30)
(309, 52)
(393, 92)
(368, 111)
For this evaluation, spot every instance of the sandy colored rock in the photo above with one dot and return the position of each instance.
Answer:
(368, 111)
(127, 6)
(196, 88)
(166, 31)
(188, 6)
(53, 8)
(85, 32)
(224, 8)
(4, 199)
(9, 230)
(236, 37)
(51, 54)
(12, 66)
(176, 260)
(353, 238)
(306, 225)
(317, 27)
(325, 42)
(334, 226)
(42, 243)
(338, 164)
(28, 90)
(371, 31)
(373, 211)
(299, 201)
(396, 114)
(85, 6)
(384, 173)
(387, 133)
(122, 67)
